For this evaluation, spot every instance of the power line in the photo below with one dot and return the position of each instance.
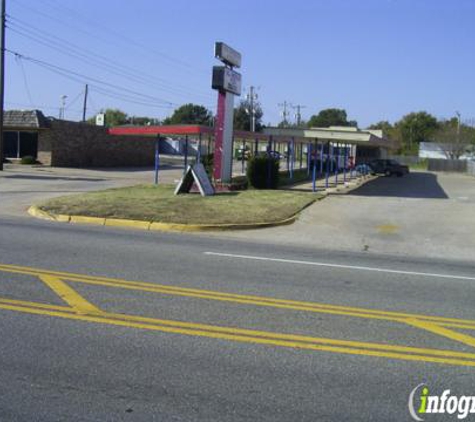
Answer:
(100, 25)
(71, 50)
(25, 81)
(74, 100)
(82, 78)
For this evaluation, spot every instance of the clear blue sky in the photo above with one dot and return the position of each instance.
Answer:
(378, 59)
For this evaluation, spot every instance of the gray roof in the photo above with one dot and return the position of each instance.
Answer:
(34, 119)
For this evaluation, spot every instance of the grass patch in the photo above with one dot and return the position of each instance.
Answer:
(300, 175)
(158, 203)
(420, 165)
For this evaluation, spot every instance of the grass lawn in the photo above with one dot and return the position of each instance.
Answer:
(159, 204)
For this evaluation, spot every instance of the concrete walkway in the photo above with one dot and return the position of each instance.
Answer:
(421, 215)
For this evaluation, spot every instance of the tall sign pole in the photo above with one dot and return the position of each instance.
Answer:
(2, 78)
(228, 83)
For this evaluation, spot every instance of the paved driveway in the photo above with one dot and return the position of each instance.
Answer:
(423, 214)
(21, 186)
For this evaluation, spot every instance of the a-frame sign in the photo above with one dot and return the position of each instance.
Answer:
(195, 173)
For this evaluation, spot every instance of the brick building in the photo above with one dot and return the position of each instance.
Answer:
(62, 143)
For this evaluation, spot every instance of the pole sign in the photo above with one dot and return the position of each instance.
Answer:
(228, 83)
(227, 54)
(226, 79)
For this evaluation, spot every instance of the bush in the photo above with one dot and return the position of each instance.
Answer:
(28, 159)
(263, 172)
(207, 161)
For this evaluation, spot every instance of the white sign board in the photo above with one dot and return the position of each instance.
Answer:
(100, 119)
(195, 173)
(227, 54)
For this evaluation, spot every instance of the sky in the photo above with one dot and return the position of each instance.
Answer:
(377, 59)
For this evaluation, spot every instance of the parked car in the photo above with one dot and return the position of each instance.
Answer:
(274, 154)
(363, 169)
(388, 167)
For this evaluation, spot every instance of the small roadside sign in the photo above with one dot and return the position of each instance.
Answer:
(195, 173)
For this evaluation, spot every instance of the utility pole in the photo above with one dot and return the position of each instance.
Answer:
(2, 78)
(252, 99)
(458, 126)
(84, 108)
(298, 114)
(62, 106)
(284, 113)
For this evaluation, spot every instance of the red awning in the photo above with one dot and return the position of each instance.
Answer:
(161, 130)
(180, 130)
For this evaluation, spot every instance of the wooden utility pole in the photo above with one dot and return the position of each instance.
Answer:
(2, 79)
(84, 108)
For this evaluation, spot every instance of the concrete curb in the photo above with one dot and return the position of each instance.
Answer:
(350, 186)
(156, 225)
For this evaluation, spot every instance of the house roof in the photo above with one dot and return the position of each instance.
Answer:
(27, 119)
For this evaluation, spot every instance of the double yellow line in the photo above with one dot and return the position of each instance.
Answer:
(82, 310)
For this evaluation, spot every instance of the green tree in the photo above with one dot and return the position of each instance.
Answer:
(414, 128)
(453, 138)
(242, 118)
(190, 114)
(383, 125)
(331, 117)
(113, 117)
(143, 121)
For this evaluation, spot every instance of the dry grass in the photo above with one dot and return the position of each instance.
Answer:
(158, 203)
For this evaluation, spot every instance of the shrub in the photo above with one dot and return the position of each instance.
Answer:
(28, 159)
(263, 172)
(207, 161)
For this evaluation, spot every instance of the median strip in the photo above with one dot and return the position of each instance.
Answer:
(157, 208)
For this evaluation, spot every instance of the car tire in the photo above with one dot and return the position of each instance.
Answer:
(388, 173)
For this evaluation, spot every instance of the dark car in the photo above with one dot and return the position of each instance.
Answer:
(273, 154)
(388, 168)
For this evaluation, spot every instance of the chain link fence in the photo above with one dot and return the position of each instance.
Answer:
(471, 168)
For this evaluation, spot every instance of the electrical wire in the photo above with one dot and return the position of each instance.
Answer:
(82, 78)
(42, 37)
(94, 23)
(146, 49)
(74, 100)
(25, 80)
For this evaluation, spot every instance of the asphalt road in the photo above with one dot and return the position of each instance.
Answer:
(196, 328)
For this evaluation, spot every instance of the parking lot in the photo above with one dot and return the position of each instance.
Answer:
(422, 214)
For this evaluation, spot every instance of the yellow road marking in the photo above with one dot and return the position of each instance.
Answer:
(258, 337)
(247, 299)
(55, 280)
(441, 331)
(69, 295)
(388, 228)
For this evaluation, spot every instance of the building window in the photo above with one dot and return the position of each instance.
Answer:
(20, 144)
